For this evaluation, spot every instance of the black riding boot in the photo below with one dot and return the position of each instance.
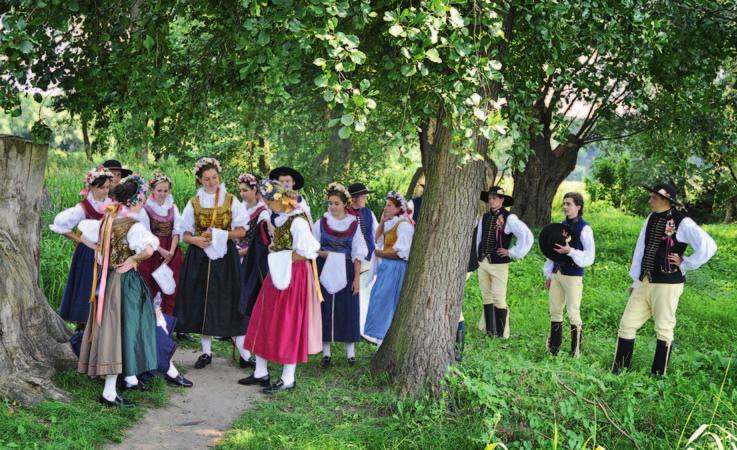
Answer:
(623, 355)
(555, 338)
(662, 355)
(500, 317)
(460, 337)
(490, 321)
(576, 337)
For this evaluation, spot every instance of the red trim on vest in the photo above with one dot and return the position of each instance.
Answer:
(349, 232)
(89, 210)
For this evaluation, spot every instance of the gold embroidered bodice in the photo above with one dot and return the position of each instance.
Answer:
(203, 216)
(119, 247)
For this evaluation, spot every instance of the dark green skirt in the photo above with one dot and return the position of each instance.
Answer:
(139, 324)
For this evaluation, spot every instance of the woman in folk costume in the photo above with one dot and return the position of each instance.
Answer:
(75, 306)
(160, 214)
(253, 249)
(394, 239)
(120, 336)
(342, 248)
(210, 284)
(285, 325)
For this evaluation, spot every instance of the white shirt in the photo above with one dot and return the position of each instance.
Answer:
(138, 236)
(359, 250)
(688, 233)
(263, 215)
(582, 258)
(162, 210)
(187, 224)
(65, 221)
(514, 226)
(303, 242)
(405, 232)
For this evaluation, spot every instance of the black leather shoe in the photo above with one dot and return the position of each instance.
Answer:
(119, 402)
(251, 380)
(141, 386)
(202, 361)
(352, 361)
(278, 386)
(178, 381)
(326, 361)
(250, 362)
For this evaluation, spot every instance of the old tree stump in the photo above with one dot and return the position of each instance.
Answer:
(33, 338)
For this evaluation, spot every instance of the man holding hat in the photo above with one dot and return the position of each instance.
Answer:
(291, 179)
(494, 233)
(114, 166)
(368, 223)
(569, 248)
(658, 270)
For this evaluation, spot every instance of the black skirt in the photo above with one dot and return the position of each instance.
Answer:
(208, 294)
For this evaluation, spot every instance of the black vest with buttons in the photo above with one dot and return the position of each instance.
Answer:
(489, 245)
(660, 240)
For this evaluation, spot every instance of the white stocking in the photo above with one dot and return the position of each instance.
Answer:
(109, 393)
(326, 349)
(287, 374)
(131, 380)
(206, 342)
(350, 349)
(245, 354)
(172, 372)
(262, 368)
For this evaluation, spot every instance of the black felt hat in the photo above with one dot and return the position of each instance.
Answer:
(666, 191)
(498, 191)
(114, 164)
(357, 189)
(299, 181)
(555, 233)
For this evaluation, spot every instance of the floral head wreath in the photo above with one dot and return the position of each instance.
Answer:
(337, 187)
(158, 178)
(141, 189)
(248, 179)
(273, 190)
(92, 176)
(398, 197)
(204, 161)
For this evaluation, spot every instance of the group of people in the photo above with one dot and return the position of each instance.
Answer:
(257, 271)
(260, 272)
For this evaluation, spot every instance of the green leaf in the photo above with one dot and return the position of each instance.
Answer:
(347, 120)
(38, 98)
(321, 81)
(20, 24)
(395, 30)
(333, 122)
(329, 96)
(319, 62)
(344, 132)
(148, 42)
(408, 70)
(25, 46)
(433, 55)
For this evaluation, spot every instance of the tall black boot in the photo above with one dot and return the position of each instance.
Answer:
(489, 319)
(662, 355)
(576, 337)
(460, 337)
(623, 355)
(500, 317)
(555, 338)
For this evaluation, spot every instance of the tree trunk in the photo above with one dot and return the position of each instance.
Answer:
(34, 342)
(419, 345)
(730, 210)
(545, 170)
(86, 139)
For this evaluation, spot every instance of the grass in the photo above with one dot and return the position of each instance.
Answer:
(512, 391)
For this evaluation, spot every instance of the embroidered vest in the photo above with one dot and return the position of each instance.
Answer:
(660, 240)
(367, 229)
(89, 210)
(119, 248)
(203, 216)
(283, 235)
(493, 236)
(390, 237)
(337, 241)
(570, 268)
(161, 226)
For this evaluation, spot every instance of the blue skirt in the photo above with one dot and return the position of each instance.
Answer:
(384, 297)
(340, 311)
(75, 304)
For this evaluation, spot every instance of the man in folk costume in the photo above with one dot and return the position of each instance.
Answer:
(569, 248)
(658, 270)
(368, 223)
(291, 179)
(119, 172)
(494, 233)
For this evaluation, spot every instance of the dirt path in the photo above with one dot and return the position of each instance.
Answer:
(196, 417)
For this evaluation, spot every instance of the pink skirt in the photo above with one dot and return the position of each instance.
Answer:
(286, 326)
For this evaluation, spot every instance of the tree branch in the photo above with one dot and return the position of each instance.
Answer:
(613, 138)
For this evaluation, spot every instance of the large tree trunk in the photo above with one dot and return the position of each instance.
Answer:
(419, 345)
(86, 139)
(545, 170)
(730, 213)
(34, 342)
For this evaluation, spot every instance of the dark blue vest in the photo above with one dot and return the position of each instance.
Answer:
(489, 245)
(570, 268)
(338, 244)
(660, 240)
(366, 221)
